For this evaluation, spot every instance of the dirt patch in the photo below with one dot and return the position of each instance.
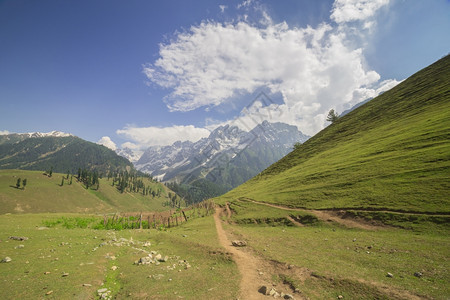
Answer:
(255, 270)
(327, 216)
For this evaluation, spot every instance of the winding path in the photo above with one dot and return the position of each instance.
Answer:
(248, 264)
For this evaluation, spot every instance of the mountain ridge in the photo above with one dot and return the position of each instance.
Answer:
(224, 144)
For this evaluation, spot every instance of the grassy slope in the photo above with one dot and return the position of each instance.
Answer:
(212, 274)
(352, 262)
(391, 153)
(44, 194)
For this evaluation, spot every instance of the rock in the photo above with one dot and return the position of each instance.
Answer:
(101, 291)
(49, 293)
(354, 239)
(19, 246)
(390, 275)
(114, 268)
(237, 243)
(297, 290)
(263, 290)
(164, 259)
(65, 274)
(340, 297)
(144, 260)
(6, 260)
(147, 244)
(158, 257)
(288, 296)
(18, 238)
(272, 292)
(46, 273)
(87, 284)
(418, 274)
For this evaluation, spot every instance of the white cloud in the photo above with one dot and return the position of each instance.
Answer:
(314, 69)
(222, 8)
(4, 132)
(144, 137)
(107, 142)
(245, 3)
(355, 10)
(130, 145)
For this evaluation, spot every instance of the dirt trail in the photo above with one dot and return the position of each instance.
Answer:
(248, 264)
(325, 216)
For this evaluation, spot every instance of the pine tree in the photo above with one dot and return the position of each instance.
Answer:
(71, 177)
(332, 116)
(62, 180)
(18, 183)
(24, 183)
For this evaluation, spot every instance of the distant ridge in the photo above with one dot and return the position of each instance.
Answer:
(391, 153)
(61, 151)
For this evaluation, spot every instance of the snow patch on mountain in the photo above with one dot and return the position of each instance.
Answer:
(221, 147)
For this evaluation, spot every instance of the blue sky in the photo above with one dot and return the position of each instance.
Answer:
(144, 73)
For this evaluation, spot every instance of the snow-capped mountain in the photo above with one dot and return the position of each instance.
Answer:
(228, 157)
(53, 133)
(18, 137)
(130, 154)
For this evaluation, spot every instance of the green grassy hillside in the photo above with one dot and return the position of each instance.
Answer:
(60, 153)
(392, 153)
(45, 194)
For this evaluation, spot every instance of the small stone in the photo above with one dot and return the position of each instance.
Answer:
(19, 247)
(101, 291)
(114, 268)
(297, 290)
(147, 244)
(263, 290)
(390, 275)
(87, 284)
(6, 260)
(354, 240)
(158, 257)
(65, 274)
(170, 279)
(261, 273)
(237, 243)
(418, 274)
(49, 293)
(272, 292)
(340, 297)
(46, 273)
(18, 238)
(288, 296)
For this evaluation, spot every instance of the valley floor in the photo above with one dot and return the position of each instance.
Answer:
(287, 252)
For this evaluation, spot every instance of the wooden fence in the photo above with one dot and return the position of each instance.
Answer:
(158, 220)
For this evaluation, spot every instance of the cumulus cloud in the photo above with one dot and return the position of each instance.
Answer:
(314, 69)
(144, 137)
(4, 132)
(222, 8)
(355, 10)
(107, 142)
